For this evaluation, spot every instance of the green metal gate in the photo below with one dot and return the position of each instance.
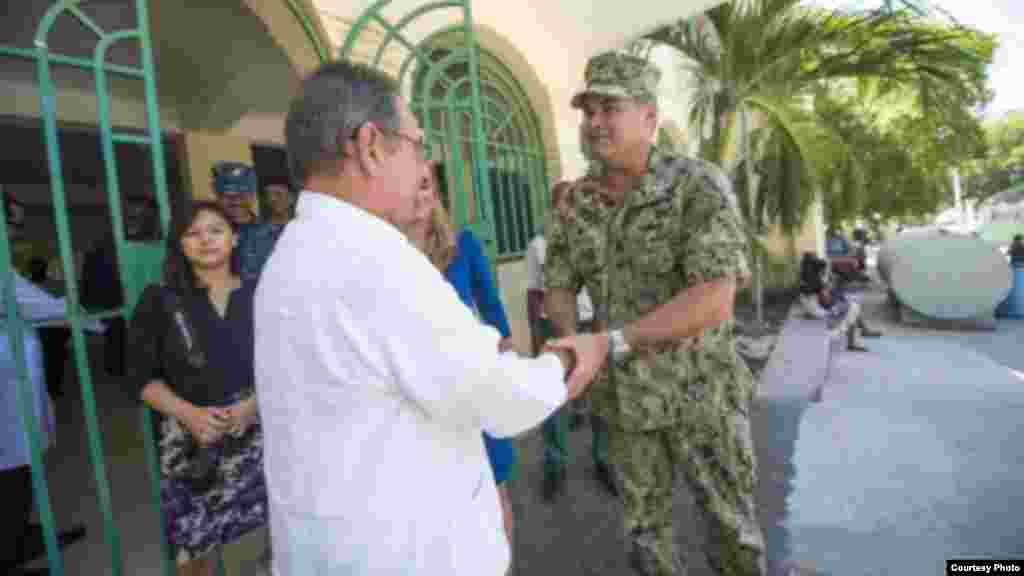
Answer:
(139, 264)
(478, 121)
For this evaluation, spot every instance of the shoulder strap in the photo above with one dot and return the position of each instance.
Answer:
(176, 312)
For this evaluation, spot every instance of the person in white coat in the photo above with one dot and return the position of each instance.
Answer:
(375, 380)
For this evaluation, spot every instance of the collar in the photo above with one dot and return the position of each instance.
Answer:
(318, 206)
(656, 183)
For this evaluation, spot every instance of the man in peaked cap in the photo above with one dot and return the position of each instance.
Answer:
(657, 241)
(236, 184)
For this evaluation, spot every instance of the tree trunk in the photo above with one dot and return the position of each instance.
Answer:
(754, 226)
(758, 284)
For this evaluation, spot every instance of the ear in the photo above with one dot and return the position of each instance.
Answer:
(651, 116)
(364, 149)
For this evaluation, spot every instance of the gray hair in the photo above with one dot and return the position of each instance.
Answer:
(333, 103)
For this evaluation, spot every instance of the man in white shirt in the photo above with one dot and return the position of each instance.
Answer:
(374, 380)
(556, 427)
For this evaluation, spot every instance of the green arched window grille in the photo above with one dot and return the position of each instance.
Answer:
(474, 114)
(515, 155)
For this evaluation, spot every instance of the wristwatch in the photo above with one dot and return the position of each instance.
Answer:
(618, 348)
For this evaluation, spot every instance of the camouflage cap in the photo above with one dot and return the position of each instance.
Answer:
(619, 75)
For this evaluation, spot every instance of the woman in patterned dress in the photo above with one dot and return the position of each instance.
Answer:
(191, 354)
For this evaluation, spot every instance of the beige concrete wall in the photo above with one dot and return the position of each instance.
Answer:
(512, 284)
(76, 106)
(339, 23)
(199, 151)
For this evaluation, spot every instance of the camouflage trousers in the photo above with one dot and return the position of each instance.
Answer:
(719, 470)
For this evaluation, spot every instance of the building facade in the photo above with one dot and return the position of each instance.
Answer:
(106, 101)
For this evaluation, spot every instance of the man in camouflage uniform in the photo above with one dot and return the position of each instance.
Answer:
(657, 241)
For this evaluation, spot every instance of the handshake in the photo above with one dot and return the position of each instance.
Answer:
(583, 356)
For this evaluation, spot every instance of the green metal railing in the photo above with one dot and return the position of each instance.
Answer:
(478, 119)
(16, 329)
(139, 264)
(132, 278)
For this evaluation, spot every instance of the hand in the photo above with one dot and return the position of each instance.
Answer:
(591, 352)
(505, 344)
(207, 424)
(506, 511)
(242, 416)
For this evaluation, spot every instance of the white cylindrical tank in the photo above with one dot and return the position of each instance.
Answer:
(943, 275)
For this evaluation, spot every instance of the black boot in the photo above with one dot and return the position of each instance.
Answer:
(853, 342)
(554, 483)
(34, 544)
(605, 476)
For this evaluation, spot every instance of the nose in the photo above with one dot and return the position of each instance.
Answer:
(593, 120)
(426, 188)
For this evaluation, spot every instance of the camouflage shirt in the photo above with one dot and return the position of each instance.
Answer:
(681, 228)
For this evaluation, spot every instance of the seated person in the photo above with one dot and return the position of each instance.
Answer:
(837, 244)
(1016, 251)
(820, 300)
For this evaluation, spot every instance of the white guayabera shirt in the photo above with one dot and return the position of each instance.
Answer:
(374, 383)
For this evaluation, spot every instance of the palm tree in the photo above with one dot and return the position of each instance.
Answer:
(760, 62)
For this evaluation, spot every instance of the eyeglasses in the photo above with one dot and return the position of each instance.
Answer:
(419, 144)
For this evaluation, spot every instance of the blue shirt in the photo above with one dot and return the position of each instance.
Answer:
(255, 243)
(470, 274)
(35, 305)
(837, 246)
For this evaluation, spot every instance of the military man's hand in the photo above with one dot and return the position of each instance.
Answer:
(591, 352)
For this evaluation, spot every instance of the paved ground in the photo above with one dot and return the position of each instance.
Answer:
(581, 533)
(912, 456)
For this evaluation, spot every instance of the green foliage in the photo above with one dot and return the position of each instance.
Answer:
(1003, 164)
(778, 271)
(664, 139)
(893, 163)
(903, 80)
(775, 59)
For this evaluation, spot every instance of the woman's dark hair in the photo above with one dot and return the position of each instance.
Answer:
(37, 270)
(811, 268)
(178, 273)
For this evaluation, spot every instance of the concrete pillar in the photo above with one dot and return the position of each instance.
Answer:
(200, 150)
